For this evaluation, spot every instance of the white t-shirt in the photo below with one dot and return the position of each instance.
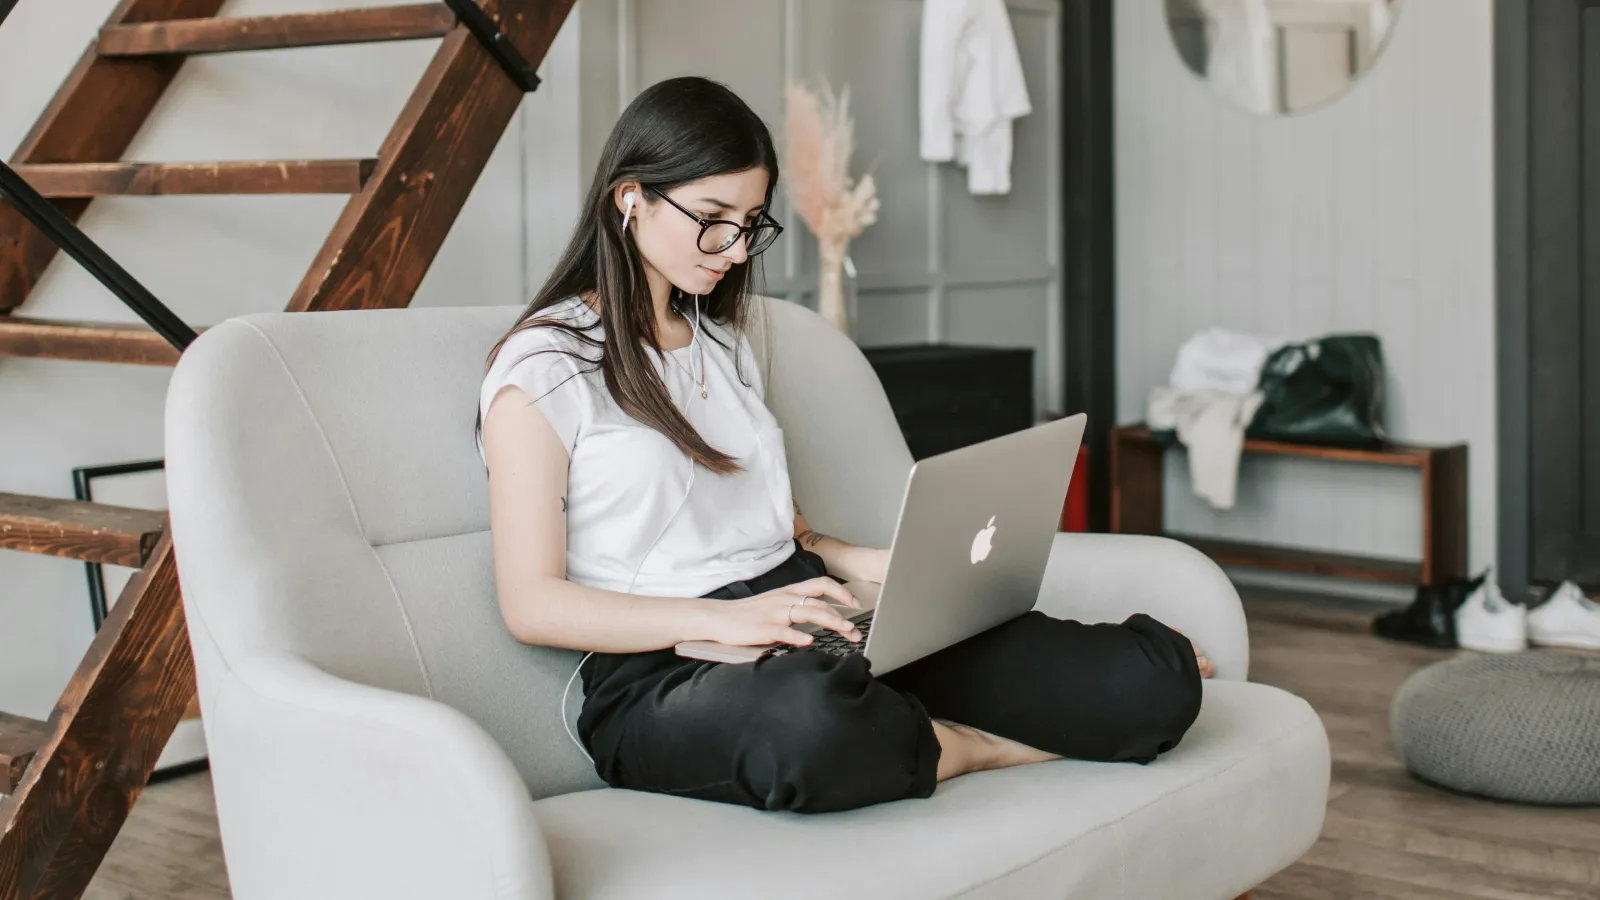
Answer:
(625, 480)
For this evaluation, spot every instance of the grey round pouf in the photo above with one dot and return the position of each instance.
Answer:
(1522, 726)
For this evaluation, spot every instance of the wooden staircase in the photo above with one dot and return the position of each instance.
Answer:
(68, 783)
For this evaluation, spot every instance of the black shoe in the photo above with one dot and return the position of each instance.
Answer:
(1430, 620)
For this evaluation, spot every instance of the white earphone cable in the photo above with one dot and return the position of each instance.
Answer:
(694, 341)
(637, 569)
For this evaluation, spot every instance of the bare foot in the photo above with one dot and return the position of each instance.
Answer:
(963, 749)
(1206, 668)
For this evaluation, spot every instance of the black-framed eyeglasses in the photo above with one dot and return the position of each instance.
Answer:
(717, 235)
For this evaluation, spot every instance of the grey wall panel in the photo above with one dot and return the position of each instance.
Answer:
(739, 44)
(895, 316)
(550, 124)
(872, 47)
(1005, 315)
(599, 85)
(1010, 232)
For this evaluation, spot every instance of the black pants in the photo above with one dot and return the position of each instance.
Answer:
(812, 732)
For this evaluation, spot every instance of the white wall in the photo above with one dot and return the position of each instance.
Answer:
(210, 258)
(1372, 213)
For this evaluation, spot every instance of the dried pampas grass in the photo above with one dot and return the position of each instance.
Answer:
(821, 138)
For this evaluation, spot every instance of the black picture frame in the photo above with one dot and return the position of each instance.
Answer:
(83, 479)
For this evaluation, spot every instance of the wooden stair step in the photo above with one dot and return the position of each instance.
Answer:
(20, 739)
(108, 342)
(92, 532)
(313, 176)
(101, 105)
(213, 35)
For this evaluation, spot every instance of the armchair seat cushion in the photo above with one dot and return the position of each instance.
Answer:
(1239, 799)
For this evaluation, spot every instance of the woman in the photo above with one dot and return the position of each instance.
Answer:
(639, 497)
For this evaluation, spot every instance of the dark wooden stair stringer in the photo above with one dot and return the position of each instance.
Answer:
(90, 761)
(106, 733)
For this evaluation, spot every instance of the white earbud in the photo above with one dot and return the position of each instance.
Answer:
(628, 200)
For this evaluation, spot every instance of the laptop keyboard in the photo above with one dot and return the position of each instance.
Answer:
(829, 641)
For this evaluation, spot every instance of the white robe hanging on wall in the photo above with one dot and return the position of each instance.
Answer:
(971, 88)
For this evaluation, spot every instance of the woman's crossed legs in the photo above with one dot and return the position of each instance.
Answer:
(812, 732)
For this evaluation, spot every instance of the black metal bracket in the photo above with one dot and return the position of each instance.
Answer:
(495, 41)
(58, 228)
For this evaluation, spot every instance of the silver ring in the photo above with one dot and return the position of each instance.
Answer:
(791, 609)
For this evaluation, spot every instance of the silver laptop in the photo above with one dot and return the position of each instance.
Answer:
(969, 551)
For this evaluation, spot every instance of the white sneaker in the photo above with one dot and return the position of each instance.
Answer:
(1568, 619)
(1487, 621)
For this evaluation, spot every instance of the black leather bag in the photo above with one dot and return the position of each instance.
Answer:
(1325, 391)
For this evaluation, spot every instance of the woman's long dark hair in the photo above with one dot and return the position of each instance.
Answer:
(675, 132)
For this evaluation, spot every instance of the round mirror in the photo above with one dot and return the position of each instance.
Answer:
(1280, 57)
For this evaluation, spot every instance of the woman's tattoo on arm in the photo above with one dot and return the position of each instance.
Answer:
(563, 504)
(810, 537)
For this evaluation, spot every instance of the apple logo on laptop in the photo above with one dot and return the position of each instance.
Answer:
(982, 542)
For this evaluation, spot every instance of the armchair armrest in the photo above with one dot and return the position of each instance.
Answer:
(331, 789)
(1108, 577)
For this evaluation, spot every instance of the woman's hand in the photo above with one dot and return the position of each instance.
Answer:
(768, 618)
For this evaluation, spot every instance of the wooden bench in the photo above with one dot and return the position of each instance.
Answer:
(1137, 481)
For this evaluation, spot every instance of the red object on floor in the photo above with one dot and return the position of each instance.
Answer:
(1075, 514)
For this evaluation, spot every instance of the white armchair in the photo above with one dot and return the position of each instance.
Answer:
(374, 731)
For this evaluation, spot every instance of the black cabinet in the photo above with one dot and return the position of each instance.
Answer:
(951, 395)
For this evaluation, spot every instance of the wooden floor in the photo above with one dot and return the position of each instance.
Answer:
(168, 848)
(1386, 835)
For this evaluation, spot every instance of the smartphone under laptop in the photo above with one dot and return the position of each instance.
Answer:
(969, 551)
